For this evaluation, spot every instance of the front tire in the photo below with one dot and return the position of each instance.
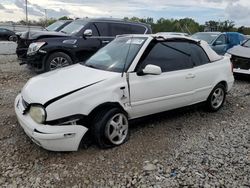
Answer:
(216, 98)
(110, 128)
(57, 60)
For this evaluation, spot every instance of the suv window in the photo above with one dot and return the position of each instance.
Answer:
(119, 29)
(103, 28)
(137, 29)
(199, 57)
(222, 38)
(170, 56)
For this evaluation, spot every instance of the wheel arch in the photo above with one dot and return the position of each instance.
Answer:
(106, 106)
(63, 51)
(224, 83)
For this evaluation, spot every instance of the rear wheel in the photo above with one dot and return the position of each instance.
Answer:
(110, 128)
(216, 98)
(57, 60)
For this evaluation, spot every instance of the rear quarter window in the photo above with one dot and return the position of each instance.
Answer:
(198, 55)
(138, 29)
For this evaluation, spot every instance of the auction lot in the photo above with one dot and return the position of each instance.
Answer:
(188, 147)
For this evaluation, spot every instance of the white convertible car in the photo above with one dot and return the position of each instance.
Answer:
(132, 77)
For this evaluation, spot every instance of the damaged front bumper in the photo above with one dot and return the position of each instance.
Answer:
(50, 137)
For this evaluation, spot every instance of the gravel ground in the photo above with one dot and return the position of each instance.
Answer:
(181, 148)
(7, 48)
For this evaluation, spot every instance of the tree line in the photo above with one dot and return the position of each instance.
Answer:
(186, 25)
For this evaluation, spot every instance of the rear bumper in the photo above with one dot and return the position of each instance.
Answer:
(54, 138)
(241, 71)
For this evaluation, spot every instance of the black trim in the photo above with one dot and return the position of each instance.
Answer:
(66, 94)
(60, 121)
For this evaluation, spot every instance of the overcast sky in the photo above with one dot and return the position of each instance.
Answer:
(200, 10)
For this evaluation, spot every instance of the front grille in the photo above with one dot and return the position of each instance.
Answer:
(242, 63)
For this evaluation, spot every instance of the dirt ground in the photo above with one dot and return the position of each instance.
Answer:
(181, 148)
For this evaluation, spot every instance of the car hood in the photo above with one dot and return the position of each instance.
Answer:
(44, 88)
(42, 34)
(240, 51)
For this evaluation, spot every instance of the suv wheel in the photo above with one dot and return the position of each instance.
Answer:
(57, 60)
(216, 98)
(110, 128)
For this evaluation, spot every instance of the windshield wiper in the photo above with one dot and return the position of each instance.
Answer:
(63, 32)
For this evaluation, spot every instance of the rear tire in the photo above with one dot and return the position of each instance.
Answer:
(57, 60)
(110, 128)
(216, 98)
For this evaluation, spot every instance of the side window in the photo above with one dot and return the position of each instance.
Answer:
(119, 29)
(137, 29)
(103, 28)
(199, 57)
(94, 30)
(1, 30)
(221, 40)
(170, 56)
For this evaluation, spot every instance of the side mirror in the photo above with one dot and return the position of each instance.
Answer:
(87, 33)
(150, 69)
(218, 42)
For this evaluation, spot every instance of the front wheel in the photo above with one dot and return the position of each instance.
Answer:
(216, 98)
(57, 60)
(110, 128)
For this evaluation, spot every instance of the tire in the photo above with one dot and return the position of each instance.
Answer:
(216, 98)
(12, 38)
(57, 60)
(107, 134)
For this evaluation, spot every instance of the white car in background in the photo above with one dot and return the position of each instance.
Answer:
(132, 77)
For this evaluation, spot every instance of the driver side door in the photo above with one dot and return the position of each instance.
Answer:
(87, 45)
(173, 88)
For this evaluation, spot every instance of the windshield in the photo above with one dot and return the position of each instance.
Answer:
(73, 27)
(208, 37)
(54, 26)
(247, 44)
(118, 55)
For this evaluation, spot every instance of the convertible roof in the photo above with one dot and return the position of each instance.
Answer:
(213, 56)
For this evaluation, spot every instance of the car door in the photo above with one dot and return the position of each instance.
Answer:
(220, 45)
(171, 89)
(87, 45)
(204, 72)
(104, 32)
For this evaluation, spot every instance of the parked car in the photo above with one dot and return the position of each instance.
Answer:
(240, 57)
(6, 34)
(74, 43)
(23, 44)
(131, 77)
(220, 42)
(173, 33)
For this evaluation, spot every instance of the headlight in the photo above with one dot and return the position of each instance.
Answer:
(37, 113)
(34, 47)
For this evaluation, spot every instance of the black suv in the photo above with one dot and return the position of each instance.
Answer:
(74, 43)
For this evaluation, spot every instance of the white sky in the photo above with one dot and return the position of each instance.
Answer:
(200, 10)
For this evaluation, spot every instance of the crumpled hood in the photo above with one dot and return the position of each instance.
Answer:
(45, 34)
(240, 51)
(45, 87)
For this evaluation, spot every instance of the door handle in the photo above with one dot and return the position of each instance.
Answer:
(189, 76)
(105, 41)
